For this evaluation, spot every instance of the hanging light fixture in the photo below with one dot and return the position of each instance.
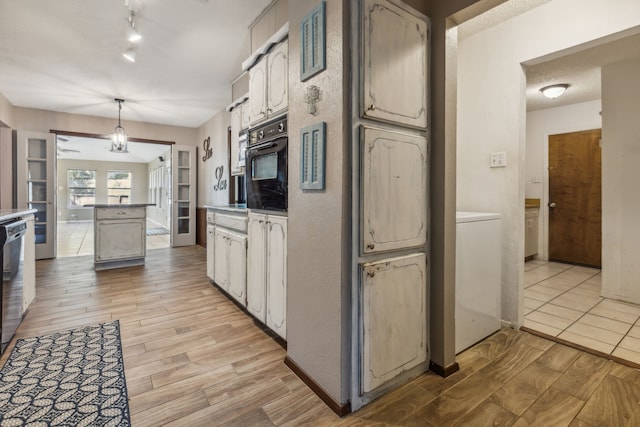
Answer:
(119, 138)
(554, 91)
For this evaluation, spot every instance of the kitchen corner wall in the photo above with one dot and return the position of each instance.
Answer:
(319, 269)
(620, 177)
(491, 113)
(216, 129)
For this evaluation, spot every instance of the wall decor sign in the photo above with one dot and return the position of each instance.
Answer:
(311, 98)
(312, 156)
(222, 183)
(206, 147)
(313, 45)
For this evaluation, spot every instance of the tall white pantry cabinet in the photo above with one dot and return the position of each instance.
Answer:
(391, 252)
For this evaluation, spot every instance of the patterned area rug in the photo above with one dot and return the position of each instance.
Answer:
(157, 231)
(70, 378)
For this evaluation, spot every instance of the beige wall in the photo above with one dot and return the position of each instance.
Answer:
(620, 177)
(6, 112)
(217, 130)
(319, 272)
(6, 171)
(139, 184)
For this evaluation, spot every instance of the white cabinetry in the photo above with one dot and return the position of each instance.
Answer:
(530, 232)
(267, 272)
(29, 266)
(394, 190)
(211, 229)
(230, 255)
(394, 79)
(236, 127)
(394, 318)
(120, 236)
(268, 84)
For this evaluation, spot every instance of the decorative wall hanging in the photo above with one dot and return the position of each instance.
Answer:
(313, 48)
(312, 157)
(206, 147)
(222, 183)
(312, 96)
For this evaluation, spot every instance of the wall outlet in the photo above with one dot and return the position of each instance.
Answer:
(536, 179)
(498, 160)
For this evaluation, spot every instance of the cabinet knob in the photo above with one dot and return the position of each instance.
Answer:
(372, 107)
(371, 246)
(371, 273)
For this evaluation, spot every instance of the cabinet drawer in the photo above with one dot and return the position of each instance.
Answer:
(121, 213)
(233, 222)
(211, 217)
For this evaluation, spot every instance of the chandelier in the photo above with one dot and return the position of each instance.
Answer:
(119, 138)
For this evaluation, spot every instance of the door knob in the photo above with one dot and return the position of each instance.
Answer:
(552, 205)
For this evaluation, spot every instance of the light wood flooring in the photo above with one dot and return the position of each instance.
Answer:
(192, 358)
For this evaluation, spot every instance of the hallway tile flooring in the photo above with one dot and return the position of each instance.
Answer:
(564, 301)
(75, 238)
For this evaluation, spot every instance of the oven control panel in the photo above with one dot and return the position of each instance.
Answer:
(268, 131)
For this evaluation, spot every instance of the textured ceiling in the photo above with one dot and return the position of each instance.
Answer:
(66, 56)
(579, 67)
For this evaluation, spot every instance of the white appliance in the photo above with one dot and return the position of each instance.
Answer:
(478, 276)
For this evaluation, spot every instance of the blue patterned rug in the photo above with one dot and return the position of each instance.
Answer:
(70, 378)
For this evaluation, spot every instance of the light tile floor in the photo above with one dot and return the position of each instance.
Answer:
(564, 301)
(75, 238)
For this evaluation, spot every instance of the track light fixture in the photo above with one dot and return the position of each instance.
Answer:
(133, 35)
(130, 54)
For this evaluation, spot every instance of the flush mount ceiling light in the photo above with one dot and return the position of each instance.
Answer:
(130, 54)
(119, 138)
(554, 91)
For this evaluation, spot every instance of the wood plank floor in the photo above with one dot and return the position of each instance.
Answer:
(193, 358)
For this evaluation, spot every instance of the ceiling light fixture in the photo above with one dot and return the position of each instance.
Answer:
(554, 91)
(133, 35)
(119, 138)
(130, 54)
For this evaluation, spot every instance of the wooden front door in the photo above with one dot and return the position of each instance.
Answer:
(575, 198)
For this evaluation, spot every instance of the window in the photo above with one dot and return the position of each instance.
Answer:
(82, 187)
(119, 187)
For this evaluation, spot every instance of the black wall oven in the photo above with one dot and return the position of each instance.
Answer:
(266, 166)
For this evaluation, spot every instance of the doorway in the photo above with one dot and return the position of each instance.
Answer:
(575, 198)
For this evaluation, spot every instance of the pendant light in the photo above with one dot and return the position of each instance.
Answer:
(119, 138)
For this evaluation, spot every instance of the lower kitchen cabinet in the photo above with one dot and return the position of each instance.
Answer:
(211, 229)
(29, 266)
(230, 263)
(394, 318)
(267, 270)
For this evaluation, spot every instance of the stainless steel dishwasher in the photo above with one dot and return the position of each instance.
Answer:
(12, 261)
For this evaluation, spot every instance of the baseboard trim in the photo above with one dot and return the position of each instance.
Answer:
(340, 409)
(443, 371)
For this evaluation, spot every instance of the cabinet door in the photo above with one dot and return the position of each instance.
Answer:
(237, 267)
(394, 318)
(394, 190)
(394, 66)
(211, 229)
(236, 123)
(183, 194)
(35, 186)
(278, 79)
(257, 91)
(257, 266)
(220, 265)
(245, 114)
(120, 239)
(277, 275)
(29, 265)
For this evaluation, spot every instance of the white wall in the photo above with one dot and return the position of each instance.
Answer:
(492, 113)
(217, 130)
(620, 179)
(541, 124)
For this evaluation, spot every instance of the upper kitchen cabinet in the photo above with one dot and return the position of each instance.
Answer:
(35, 185)
(394, 190)
(394, 64)
(269, 84)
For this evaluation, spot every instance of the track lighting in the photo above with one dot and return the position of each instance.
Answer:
(130, 54)
(133, 35)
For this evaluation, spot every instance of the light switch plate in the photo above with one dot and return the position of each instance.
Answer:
(498, 159)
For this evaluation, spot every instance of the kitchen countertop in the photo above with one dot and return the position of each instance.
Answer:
(133, 205)
(9, 214)
(531, 203)
(239, 208)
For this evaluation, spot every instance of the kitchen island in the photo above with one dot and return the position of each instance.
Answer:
(119, 235)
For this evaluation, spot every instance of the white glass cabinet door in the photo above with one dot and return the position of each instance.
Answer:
(183, 167)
